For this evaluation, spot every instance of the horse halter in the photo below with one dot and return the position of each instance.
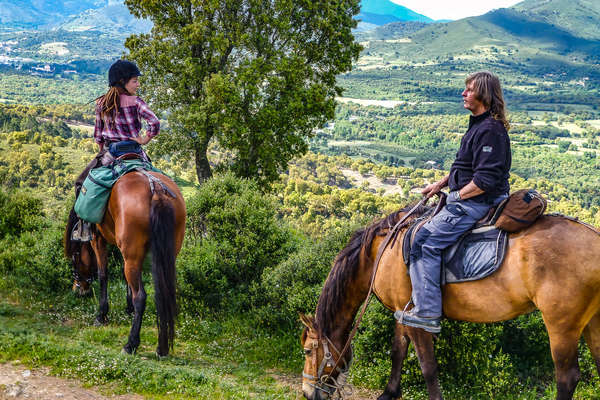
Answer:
(75, 261)
(325, 382)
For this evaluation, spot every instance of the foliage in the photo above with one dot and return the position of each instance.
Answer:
(234, 236)
(293, 285)
(258, 76)
(19, 213)
(31, 248)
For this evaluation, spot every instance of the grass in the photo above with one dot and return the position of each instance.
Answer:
(211, 359)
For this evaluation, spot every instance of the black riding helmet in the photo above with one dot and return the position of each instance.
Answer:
(121, 72)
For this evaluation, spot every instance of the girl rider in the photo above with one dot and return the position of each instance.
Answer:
(118, 125)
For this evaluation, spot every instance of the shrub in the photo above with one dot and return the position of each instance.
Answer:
(19, 212)
(35, 262)
(294, 285)
(234, 234)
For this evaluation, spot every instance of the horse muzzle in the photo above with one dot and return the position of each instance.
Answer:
(314, 393)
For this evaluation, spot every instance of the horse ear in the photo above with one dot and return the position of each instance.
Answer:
(306, 320)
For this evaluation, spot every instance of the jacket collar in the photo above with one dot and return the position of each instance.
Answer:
(476, 119)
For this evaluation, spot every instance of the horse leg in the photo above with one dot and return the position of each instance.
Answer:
(129, 307)
(133, 274)
(399, 351)
(563, 345)
(423, 342)
(591, 333)
(99, 246)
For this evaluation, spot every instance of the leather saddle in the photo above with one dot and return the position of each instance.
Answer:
(484, 237)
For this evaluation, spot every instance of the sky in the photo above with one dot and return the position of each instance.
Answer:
(454, 9)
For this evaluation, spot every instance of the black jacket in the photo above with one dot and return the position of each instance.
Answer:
(483, 157)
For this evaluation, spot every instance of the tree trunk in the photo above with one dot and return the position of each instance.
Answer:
(203, 170)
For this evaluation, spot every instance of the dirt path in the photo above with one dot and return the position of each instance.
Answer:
(295, 383)
(17, 382)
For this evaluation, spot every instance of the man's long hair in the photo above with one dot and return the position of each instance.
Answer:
(487, 90)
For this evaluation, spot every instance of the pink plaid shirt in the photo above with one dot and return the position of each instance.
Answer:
(127, 122)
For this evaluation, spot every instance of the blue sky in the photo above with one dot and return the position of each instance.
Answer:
(454, 9)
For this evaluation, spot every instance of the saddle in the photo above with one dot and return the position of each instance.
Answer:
(477, 253)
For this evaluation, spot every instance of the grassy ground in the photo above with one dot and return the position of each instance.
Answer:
(211, 360)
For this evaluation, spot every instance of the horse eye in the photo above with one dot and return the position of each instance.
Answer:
(307, 352)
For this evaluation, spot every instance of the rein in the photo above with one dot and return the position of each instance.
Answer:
(391, 235)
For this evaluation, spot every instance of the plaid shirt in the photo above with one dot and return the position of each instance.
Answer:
(127, 122)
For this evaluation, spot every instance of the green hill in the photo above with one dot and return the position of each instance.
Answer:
(580, 18)
(529, 38)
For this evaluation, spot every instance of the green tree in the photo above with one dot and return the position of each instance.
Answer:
(256, 75)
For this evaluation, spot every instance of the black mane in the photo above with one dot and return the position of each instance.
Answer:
(344, 269)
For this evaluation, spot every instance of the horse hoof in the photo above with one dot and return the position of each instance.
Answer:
(160, 355)
(101, 321)
(127, 349)
(387, 396)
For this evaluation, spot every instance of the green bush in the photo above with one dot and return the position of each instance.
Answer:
(35, 262)
(234, 234)
(19, 212)
(294, 285)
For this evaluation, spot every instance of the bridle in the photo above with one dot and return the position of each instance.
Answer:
(320, 382)
(324, 381)
(75, 261)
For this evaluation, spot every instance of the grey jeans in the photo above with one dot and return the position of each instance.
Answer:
(442, 231)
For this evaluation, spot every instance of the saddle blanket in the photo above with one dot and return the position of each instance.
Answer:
(476, 255)
(90, 205)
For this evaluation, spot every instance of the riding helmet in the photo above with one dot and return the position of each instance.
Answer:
(121, 71)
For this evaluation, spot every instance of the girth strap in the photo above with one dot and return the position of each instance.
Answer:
(152, 179)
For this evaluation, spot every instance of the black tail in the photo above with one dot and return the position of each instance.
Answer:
(162, 245)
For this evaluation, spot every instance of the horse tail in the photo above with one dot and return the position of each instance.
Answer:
(162, 245)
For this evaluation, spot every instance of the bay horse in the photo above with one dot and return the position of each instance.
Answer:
(553, 265)
(138, 218)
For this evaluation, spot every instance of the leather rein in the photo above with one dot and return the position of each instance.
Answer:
(323, 379)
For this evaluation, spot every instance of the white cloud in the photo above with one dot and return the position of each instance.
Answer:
(454, 9)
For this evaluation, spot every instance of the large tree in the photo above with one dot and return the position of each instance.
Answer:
(256, 75)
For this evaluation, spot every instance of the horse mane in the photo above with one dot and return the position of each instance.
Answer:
(69, 245)
(345, 267)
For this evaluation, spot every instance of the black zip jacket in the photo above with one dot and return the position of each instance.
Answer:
(483, 157)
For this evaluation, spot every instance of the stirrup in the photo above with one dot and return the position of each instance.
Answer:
(82, 231)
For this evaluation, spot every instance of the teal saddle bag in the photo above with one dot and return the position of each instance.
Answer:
(93, 197)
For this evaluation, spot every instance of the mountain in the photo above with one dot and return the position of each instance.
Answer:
(381, 12)
(529, 36)
(387, 7)
(394, 30)
(110, 16)
(37, 14)
(114, 17)
(580, 18)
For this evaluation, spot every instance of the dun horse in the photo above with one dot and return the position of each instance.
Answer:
(554, 266)
(136, 220)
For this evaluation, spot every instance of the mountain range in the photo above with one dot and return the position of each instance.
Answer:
(112, 15)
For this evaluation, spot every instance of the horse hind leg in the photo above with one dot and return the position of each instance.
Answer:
(423, 342)
(133, 274)
(393, 389)
(591, 333)
(564, 339)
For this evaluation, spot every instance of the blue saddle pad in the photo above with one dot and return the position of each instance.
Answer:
(476, 255)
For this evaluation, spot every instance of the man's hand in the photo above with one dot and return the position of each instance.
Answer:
(435, 187)
(431, 189)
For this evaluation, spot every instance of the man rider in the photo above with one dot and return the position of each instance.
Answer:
(478, 180)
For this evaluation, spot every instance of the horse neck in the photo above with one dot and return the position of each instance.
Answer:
(353, 295)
